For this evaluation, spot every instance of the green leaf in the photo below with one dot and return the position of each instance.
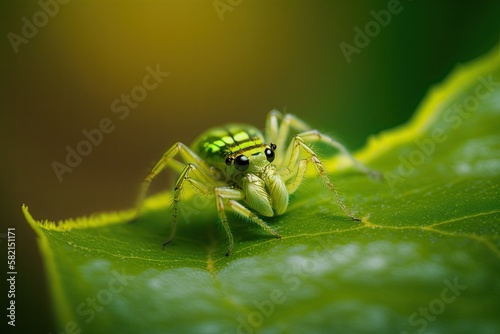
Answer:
(426, 255)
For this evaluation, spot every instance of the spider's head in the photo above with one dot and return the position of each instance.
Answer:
(252, 161)
(264, 189)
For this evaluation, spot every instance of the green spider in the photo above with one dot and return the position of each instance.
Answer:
(236, 164)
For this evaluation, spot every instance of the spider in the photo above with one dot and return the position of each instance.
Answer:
(247, 172)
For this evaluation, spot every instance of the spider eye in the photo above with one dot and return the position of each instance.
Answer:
(229, 161)
(241, 163)
(270, 153)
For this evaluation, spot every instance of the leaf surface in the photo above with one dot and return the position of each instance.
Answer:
(426, 255)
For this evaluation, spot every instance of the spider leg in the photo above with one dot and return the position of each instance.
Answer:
(278, 128)
(289, 122)
(168, 160)
(293, 174)
(224, 197)
(293, 178)
(198, 181)
(272, 126)
(312, 136)
(229, 196)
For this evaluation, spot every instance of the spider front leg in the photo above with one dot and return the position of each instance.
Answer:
(277, 130)
(198, 181)
(312, 136)
(278, 127)
(294, 173)
(229, 196)
(168, 160)
(225, 197)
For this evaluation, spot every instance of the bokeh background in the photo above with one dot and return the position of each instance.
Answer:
(230, 66)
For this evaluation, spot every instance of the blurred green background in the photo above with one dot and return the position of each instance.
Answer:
(261, 55)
